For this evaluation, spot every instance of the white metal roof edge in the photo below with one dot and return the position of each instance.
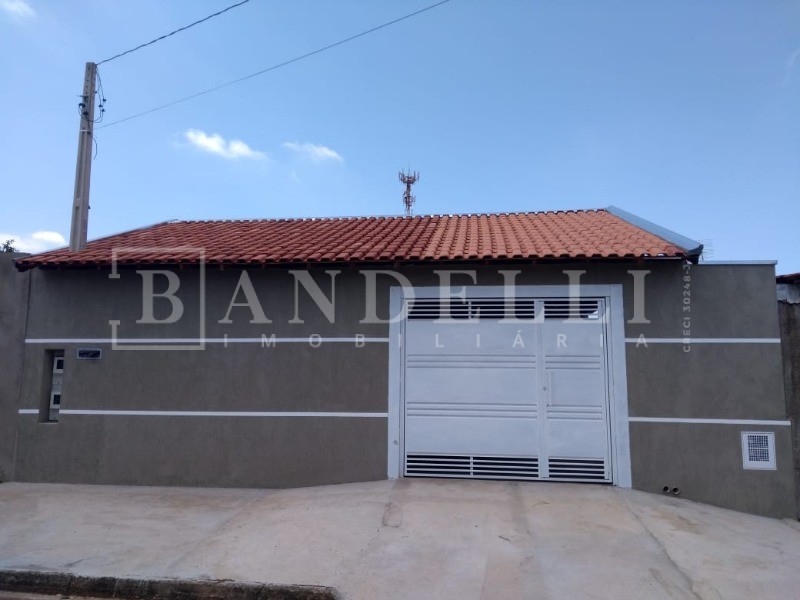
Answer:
(692, 247)
(740, 262)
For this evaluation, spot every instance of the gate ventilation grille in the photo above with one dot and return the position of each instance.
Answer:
(472, 467)
(571, 309)
(487, 308)
(577, 468)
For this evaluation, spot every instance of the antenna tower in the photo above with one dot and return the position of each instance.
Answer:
(409, 179)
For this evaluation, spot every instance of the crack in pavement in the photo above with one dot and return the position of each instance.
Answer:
(687, 578)
(213, 535)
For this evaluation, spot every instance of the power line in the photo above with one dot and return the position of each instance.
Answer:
(278, 66)
(171, 33)
(101, 104)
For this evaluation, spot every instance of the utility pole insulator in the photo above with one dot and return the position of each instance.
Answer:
(83, 167)
(409, 179)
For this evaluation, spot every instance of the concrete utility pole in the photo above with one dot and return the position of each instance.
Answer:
(83, 168)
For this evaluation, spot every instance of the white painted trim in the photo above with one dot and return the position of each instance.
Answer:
(692, 340)
(393, 452)
(618, 403)
(222, 340)
(208, 413)
(710, 421)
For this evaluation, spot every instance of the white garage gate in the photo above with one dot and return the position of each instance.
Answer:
(507, 389)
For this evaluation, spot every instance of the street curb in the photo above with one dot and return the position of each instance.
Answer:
(67, 584)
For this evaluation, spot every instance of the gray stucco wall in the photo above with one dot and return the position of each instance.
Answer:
(199, 450)
(705, 463)
(789, 314)
(715, 381)
(710, 381)
(13, 315)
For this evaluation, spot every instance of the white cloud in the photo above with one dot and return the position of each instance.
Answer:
(18, 9)
(216, 144)
(313, 152)
(38, 241)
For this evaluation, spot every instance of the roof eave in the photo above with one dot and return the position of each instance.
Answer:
(70, 265)
(693, 248)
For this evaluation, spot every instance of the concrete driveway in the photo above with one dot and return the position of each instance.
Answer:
(409, 538)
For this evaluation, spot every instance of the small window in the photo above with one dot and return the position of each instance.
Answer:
(51, 403)
(89, 354)
(758, 450)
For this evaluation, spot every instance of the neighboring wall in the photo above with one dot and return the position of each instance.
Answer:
(789, 314)
(728, 381)
(13, 314)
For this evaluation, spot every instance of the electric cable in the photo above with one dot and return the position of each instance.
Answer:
(277, 66)
(101, 104)
(171, 33)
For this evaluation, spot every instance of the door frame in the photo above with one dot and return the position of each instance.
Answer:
(617, 374)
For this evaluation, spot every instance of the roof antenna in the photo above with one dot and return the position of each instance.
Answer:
(409, 179)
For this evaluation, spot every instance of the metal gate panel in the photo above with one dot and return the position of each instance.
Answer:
(483, 338)
(468, 387)
(486, 397)
(456, 408)
(576, 429)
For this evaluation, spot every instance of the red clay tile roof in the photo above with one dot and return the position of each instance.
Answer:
(595, 234)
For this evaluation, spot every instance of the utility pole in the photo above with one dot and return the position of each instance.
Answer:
(409, 179)
(83, 167)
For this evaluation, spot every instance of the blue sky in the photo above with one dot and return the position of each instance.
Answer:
(685, 113)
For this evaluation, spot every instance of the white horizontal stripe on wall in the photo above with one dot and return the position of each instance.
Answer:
(691, 340)
(208, 413)
(708, 421)
(249, 340)
(211, 413)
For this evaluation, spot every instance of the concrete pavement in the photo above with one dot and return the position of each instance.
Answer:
(407, 539)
